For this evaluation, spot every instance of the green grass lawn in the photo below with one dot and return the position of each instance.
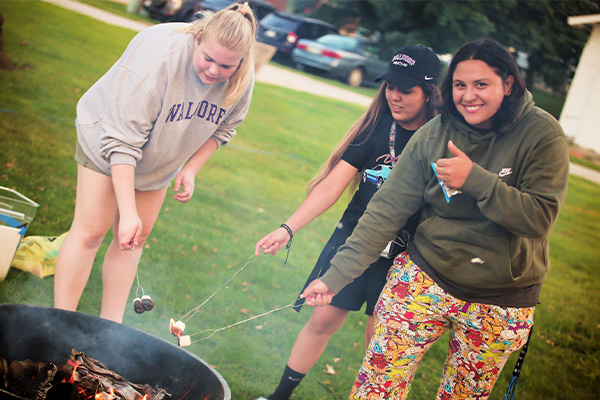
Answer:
(119, 8)
(247, 189)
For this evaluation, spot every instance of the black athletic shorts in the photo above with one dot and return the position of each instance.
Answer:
(364, 289)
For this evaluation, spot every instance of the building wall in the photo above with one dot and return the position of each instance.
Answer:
(579, 117)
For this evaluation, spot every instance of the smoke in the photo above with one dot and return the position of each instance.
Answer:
(48, 335)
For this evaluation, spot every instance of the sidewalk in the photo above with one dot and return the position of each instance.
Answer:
(271, 74)
(586, 173)
(101, 15)
(282, 77)
(267, 74)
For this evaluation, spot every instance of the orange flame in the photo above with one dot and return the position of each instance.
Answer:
(100, 396)
(75, 365)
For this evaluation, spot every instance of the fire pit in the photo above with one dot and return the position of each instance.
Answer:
(48, 335)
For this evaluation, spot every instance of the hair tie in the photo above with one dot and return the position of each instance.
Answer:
(243, 9)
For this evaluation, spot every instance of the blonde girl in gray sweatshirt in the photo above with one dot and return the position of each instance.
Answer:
(176, 94)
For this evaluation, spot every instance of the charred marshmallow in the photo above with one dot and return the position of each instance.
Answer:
(137, 305)
(147, 303)
(176, 328)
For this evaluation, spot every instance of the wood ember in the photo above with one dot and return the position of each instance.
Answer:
(3, 372)
(82, 378)
(25, 377)
(92, 374)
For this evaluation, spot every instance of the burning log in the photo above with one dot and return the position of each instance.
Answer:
(3, 372)
(81, 378)
(25, 377)
(63, 391)
(95, 376)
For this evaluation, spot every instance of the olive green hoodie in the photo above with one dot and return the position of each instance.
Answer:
(494, 234)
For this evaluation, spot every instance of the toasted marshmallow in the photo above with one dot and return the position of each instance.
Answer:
(177, 328)
(185, 341)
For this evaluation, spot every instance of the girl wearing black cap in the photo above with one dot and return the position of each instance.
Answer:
(490, 175)
(406, 100)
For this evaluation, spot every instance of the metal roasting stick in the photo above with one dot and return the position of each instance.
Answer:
(238, 323)
(190, 314)
(145, 303)
(136, 276)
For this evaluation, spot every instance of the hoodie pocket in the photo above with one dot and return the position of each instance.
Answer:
(472, 253)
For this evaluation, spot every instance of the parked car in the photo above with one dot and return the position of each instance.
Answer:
(184, 10)
(170, 10)
(352, 59)
(377, 175)
(283, 30)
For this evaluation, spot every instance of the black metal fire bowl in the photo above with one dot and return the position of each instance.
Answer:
(48, 335)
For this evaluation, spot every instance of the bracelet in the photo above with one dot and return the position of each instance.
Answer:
(289, 244)
(288, 229)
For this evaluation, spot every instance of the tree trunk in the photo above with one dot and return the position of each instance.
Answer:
(5, 63)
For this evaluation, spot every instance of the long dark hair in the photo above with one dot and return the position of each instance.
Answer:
(366, 124)
(502, 62)
(435, 99)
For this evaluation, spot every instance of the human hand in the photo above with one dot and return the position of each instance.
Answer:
(273, 242)
(184, 179)
(317, 294)
(454, 171)
(130, 228)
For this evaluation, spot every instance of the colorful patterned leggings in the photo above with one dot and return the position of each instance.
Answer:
(412, 313)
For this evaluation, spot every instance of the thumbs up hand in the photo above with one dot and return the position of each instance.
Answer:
(454, 171)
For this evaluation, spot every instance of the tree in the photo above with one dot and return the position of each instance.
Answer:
(537, 28)
(5, 62)
(540, 29)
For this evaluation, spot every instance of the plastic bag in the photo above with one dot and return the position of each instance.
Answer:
(37, 254)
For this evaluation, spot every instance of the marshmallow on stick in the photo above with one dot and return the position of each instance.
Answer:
(185, 341)
(176, 328)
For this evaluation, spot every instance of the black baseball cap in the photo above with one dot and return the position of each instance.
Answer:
(411, 66)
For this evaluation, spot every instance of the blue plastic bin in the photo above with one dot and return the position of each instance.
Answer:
(16, 212)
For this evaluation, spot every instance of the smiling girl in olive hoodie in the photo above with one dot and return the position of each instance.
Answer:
(491, 175)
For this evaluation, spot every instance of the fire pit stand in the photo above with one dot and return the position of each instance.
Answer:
(48, 335)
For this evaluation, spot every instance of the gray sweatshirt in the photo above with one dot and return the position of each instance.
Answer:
(152, 111)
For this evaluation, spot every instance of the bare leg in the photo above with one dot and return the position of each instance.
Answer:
(95, 208)
(369, 330)
(315, 335)
(118, 271)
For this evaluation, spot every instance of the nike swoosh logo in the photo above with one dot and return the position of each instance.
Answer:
(505, 172)
(294, 379)
(428, 78)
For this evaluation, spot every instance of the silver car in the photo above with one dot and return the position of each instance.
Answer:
(352, 59)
